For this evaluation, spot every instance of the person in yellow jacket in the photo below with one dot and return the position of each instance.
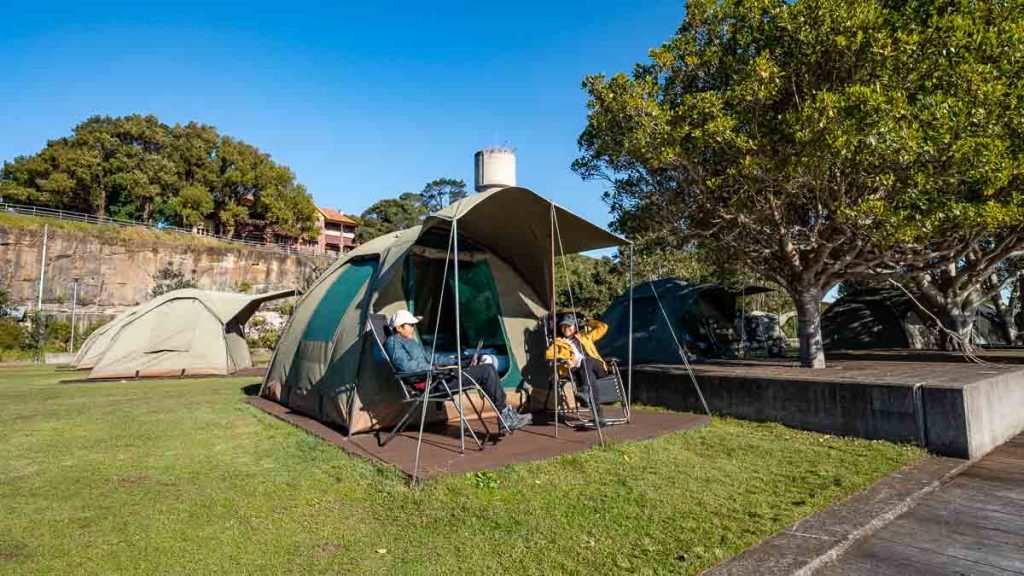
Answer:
(580, 353)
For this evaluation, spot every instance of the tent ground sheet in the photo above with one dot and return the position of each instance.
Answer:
(440, 449)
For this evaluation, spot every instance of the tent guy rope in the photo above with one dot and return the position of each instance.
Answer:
(682, 350)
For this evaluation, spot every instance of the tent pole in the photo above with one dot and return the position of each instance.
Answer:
(594, 407)
(629, 350)
(433, 356)
(743, 323)
(458, 340)
(681, 348)
(554, 326)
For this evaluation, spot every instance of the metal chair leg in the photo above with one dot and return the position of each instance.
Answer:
(403, 422)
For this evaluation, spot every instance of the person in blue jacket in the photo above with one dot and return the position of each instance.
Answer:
(408, 355)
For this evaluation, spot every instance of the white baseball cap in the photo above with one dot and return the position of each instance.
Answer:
(403, 317)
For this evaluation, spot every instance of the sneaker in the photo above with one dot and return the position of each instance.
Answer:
(514, 420)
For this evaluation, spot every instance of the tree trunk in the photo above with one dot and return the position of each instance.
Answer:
(808, 327)
(1005, 312)
(960, 323)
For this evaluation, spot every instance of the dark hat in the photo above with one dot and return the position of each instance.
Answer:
(567, 320)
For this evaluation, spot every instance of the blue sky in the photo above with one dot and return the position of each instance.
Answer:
(363, 101)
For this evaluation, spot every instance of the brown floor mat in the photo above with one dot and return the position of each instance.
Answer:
(440, 451)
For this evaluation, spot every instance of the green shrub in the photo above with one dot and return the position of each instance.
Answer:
(260, 334)
(12, 335)
(57, 335)
(88, 330)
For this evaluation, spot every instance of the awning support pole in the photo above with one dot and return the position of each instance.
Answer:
(458, 340)
(433, 355)
(629, 350)
(554, 326)
(595, 409)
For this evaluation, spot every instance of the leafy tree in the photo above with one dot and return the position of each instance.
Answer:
(594, 283)
(390, 215)
(813, 141)
(192, 205)
(139, 168)
(168, 279)
(441, 192)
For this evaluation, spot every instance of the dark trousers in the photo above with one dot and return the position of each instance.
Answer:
(487, 377)
(589, 371)
(587, 375)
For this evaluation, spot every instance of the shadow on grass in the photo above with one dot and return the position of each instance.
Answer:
(251, 389)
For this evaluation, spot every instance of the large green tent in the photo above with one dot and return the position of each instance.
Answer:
(326, 365)
(187, 332)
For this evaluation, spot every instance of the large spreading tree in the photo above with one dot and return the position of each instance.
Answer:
(811, 141)
(136, 167)
(409, 209)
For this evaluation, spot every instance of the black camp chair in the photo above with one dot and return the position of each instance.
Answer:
(439, 385)
(606, 391)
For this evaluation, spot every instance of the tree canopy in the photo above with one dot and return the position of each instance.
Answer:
(441, 192)
(390, 215)
(138, 168)
(409, 209)
(817, 140)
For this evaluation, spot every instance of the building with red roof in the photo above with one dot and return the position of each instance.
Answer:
(337, 232)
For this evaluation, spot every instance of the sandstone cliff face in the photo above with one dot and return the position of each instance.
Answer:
(116, 267)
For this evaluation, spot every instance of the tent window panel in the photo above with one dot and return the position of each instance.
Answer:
(480, 309)
(324, 323)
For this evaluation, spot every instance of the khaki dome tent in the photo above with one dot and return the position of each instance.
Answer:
(98, 342)
(325, 365)
(186, 332)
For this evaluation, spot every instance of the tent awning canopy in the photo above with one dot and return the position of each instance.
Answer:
(515, 223)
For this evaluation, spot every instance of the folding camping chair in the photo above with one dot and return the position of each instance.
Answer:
(606, 391)
(436, 386)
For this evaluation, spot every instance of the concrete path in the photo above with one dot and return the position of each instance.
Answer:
(972, 525)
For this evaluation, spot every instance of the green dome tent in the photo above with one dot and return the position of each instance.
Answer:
(703, 317)
(325, 364)
(186, 332)
(879, 318)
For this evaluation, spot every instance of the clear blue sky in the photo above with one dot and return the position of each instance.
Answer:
(363, 101)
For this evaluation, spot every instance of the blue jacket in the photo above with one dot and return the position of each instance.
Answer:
(407, 354)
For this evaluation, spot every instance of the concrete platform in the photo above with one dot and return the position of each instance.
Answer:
(440, 455)
(1004, 355)
(953, 409)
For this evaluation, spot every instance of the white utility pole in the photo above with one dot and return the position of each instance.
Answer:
(42, 269)
(74, 307)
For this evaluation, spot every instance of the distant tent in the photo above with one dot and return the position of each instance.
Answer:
(989, 328)
(326, 367)
(182, 333)
(702, 315)
(878, 318)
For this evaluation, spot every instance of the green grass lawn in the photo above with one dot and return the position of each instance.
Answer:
(183, 477)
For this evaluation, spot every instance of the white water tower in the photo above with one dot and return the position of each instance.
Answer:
(495, 168)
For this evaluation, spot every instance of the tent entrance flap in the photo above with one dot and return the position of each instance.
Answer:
(480, 310)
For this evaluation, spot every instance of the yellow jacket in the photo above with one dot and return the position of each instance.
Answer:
(563, 350)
